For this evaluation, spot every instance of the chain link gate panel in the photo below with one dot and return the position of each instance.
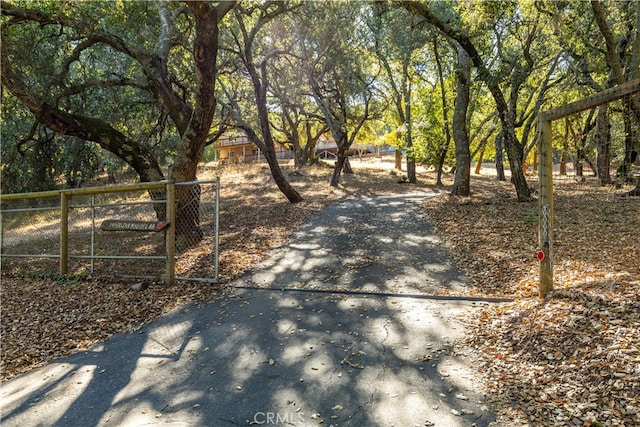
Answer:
(197, 230)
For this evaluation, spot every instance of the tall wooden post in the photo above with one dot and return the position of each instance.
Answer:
(64, 233)
(545, 170)
(170, 236)
(216, 250)
(545, 180)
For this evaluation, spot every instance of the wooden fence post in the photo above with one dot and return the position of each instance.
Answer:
(64, 233)
(170, 236)
(216, 250)
(545, 202)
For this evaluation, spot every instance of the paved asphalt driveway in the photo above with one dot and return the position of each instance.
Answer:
(339, 328)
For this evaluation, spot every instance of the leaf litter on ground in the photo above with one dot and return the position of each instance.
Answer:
(574, 359)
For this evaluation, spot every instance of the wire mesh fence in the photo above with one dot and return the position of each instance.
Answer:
(116, 232)
(197, 214)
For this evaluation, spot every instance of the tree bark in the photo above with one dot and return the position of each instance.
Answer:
(411, 162)
(268, 150)
(603, 146)
(565, 148)
(461, 184)
(479, 163)
(630, 148)
(499, 143)
(196, 129)
(445, 114)
(398, 159)
(341, 156)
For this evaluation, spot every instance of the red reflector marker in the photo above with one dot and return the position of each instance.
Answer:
(540, 255)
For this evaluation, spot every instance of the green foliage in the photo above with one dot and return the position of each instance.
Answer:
(378, 53)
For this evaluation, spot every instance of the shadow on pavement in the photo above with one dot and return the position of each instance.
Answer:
(352, 340)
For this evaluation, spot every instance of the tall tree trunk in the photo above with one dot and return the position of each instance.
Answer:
(515, 156)
(266, 143)
(461, 184)
(565, 148)
(194, 134)
(298, 156)
(445, 114)
(500, 176)
(581, 144)
(411, 161)
(630, 149)
(479, 163)
(603, 146)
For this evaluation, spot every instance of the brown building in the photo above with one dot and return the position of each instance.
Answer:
(233, 149)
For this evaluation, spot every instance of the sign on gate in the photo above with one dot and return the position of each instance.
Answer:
(131, 225)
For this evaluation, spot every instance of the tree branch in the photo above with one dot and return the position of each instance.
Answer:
(87, 128)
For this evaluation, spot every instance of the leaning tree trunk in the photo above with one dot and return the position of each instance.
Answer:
(267, 148)
(341, 158)
(266, 144)
(461, 184)
(276, 172)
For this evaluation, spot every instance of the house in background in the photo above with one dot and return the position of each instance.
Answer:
(327, 148)
(236, 148)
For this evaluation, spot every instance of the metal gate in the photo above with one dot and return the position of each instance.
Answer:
(115, 230)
